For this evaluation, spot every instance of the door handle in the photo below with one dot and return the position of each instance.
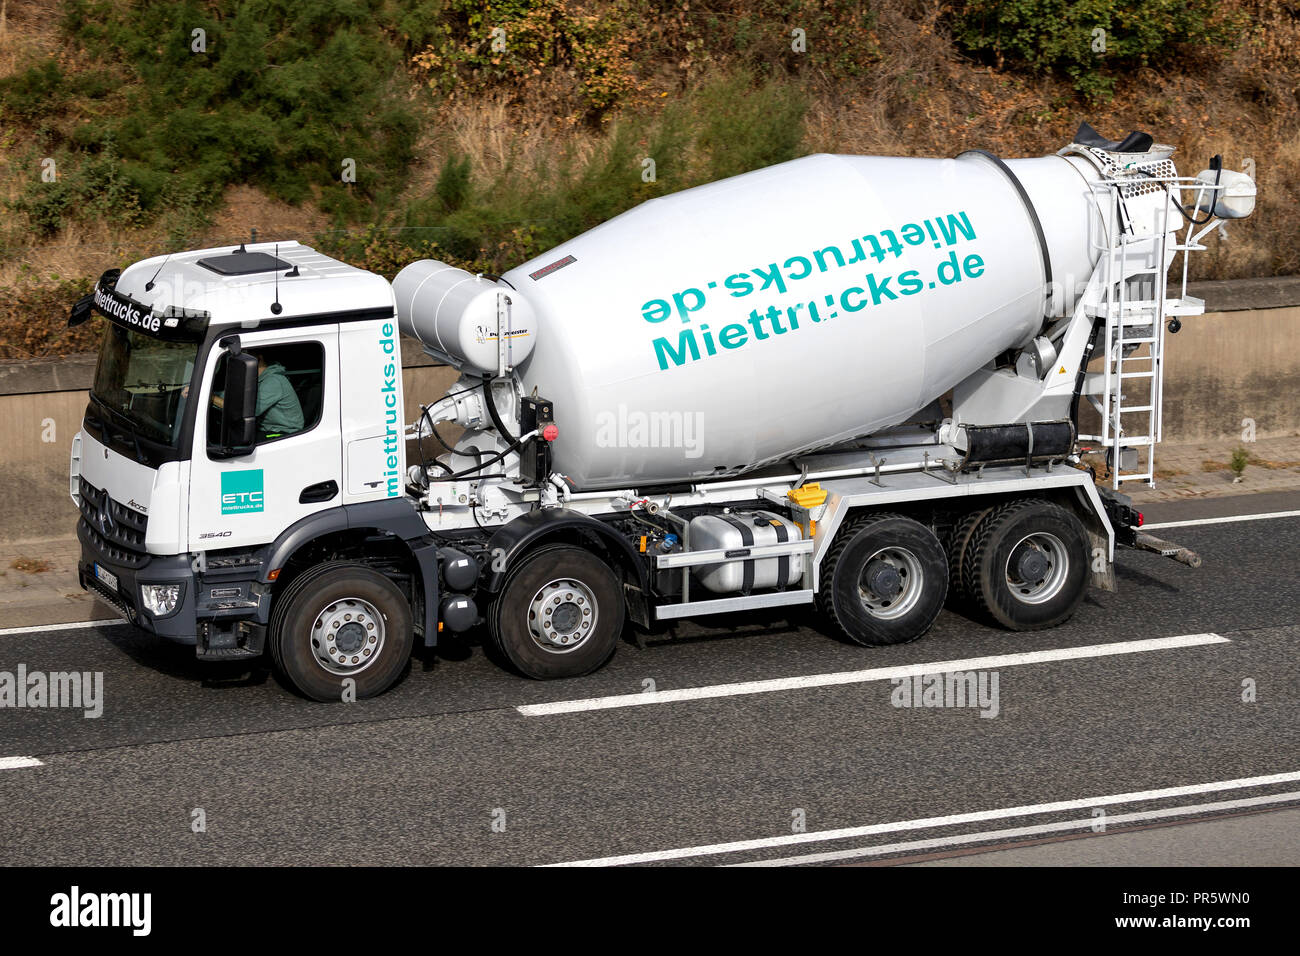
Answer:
(322, 491)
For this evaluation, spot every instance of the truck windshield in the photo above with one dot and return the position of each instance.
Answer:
(145, 381)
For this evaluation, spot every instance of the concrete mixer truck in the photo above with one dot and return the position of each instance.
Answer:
(857, 383)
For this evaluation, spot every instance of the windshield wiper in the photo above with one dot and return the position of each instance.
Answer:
(128, 430)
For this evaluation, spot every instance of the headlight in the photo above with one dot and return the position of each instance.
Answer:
(162, 599)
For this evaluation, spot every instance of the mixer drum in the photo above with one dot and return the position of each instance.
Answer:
(728, 326)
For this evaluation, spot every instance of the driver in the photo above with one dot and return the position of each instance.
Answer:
(278, 411)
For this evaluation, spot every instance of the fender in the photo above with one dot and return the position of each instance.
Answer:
(394, 515)
(518, 536)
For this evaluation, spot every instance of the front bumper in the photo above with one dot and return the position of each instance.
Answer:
(132, 572)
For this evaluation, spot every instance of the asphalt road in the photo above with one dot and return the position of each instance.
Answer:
(1090, 757)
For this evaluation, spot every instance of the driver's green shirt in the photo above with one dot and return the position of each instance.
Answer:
(278, 409)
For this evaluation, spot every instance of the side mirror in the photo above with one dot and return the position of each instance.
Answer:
(239, 410)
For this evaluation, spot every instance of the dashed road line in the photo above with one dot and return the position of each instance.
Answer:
(1229, 519)
(70, 626)
(18, 763)
(863, 676)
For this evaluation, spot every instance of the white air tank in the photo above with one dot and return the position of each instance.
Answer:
(728, 326)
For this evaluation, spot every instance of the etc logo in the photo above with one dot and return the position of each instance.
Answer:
(241, 491)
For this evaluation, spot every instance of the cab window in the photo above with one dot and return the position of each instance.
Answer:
(290, 383)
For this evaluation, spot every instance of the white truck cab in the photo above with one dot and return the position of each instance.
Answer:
(192, 495)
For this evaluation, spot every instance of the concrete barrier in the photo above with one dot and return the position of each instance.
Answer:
(1233, 368)
(1240, 361)
(1225, 367)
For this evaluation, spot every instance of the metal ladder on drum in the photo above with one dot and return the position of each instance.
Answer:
(1131, 414)
(1132, 377)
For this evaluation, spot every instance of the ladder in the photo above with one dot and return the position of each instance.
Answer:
(1133, 301)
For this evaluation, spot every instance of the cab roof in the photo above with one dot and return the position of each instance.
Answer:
(234, 285)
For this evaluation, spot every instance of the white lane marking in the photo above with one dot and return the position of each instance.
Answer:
(1018, 832)
(17, 763)
(874, 674)
(924, 823)
(1225, 520)
(72, 626)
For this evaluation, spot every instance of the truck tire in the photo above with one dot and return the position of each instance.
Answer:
(884, 580)
(559, 613)
(340, 621)
(959, 588)
(1027, 565)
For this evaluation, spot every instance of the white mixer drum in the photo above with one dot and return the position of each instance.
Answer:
(729, 326)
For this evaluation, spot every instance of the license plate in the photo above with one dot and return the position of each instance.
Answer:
(108, 577)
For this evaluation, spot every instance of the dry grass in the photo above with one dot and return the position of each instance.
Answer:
(1210, 465)
(31, 565)
(244, 208)
(1272, 465)
(27, 30)
(922, 97)
(502, 138)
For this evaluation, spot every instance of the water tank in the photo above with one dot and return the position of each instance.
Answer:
(454, 314)
(725, 327)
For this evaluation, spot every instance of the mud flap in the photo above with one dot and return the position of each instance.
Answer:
(1102, 569)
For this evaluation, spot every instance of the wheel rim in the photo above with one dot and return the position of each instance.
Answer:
(891, 583)
(562, 616)
(1037, 568)
(347, 636)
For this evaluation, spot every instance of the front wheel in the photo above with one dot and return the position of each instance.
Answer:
(559, 613)
(341, 622)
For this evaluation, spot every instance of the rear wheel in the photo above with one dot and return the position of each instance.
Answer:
(884, 580)
(559, 613)
(341, 622)
(1028, 564)
(959, 588)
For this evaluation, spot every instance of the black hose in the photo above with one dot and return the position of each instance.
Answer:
(483, 464)
(419, 443)
(1217, 163)
(433, 430)
(480, 464)
(511, 440)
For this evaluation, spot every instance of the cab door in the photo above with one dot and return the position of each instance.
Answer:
(294, 470)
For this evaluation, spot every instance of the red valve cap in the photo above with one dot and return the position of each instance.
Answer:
(550, 432)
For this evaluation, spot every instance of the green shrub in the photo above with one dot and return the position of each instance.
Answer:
(746, 130)
(1062, 35)
(36, 91)
(453, 182)
(1240, 458)
(284, 93)
(101, 185)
